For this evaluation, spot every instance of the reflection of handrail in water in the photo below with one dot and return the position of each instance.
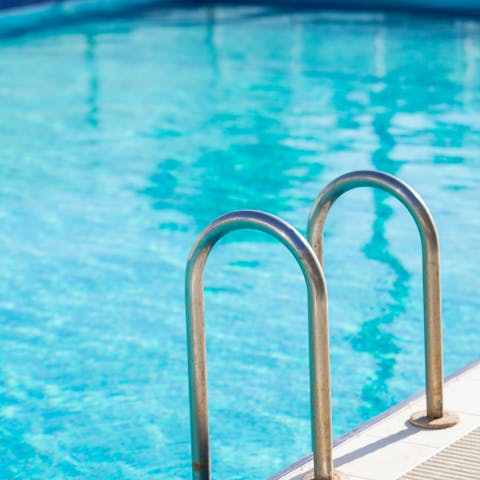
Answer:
(377, 248)
(321, 420)
(431, 271)
(385, 347)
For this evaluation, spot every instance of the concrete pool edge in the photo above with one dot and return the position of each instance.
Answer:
(301, 466)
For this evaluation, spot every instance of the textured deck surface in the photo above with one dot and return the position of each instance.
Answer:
(390, 448)
(459, 460)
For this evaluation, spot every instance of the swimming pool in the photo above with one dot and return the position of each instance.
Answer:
(122, 139)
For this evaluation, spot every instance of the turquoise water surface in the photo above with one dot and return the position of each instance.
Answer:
(122, 138)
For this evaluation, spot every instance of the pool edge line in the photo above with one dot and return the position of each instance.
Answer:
(374, 420)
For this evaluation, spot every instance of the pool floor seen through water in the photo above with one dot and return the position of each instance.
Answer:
(122, 138)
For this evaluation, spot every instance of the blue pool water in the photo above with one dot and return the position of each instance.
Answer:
(121, 139)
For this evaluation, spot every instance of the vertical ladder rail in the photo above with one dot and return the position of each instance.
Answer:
(321, 418)
(435, 416)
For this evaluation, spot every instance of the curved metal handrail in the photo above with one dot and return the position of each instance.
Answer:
(431, 274)
(318, 336)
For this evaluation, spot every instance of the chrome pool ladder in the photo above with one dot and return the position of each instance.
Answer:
(321, 415)
(310, 260)
(434, 416)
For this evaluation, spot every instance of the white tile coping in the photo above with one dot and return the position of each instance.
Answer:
(388, 446)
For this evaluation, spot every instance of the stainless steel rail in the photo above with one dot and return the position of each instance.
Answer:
(435, 416)
(321, 419)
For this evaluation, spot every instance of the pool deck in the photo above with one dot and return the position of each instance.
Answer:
(389, 447)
